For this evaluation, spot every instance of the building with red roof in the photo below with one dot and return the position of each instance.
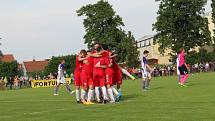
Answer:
(8, 58)
(35, 66)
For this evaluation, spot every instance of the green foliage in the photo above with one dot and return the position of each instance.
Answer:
(8, 69)
(213, 14)
(103, 25)
(200, 57)
(52, 66)
(180, 24)
(1, 54)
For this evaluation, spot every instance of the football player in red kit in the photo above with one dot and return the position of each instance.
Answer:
(86, 78)
(109, 72)
(100, 63)
(77, 78)
(117, 79)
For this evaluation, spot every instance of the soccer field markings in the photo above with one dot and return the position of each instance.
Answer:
(41, 112)
(5, 117)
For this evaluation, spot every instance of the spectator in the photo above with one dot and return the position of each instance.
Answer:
(16, 82)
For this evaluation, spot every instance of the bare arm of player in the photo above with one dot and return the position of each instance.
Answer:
(113, 56)
(151, 70)
(110, 65)
(82, 59)
(100, 66)
(95, 55)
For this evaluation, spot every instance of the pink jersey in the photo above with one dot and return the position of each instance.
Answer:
(181, 57)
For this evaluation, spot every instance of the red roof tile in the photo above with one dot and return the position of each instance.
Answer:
(8, 58)
(35, 66)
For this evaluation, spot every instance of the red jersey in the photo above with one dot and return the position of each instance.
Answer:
(88, 65)
(78, 64)
(77, 73)
(101, 61)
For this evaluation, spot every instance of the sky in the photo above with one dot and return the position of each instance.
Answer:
(41, 29)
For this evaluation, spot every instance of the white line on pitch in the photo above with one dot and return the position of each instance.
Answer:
(41, 112)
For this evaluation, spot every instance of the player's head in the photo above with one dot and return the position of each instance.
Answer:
(146, 53)
(181, 50)
(97, 46)
(62, 61)
(83, 53)
(105, 47)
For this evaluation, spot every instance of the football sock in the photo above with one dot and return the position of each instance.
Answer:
(179, 77)
(128, 74)
(144, 84)
(56, 90)
(90, 95)
(97, 93)
(77, 94)
(120, 91)
(83, 93)
(182, 79)
(68, 88)
(115, 91)
(148, 83)
(104, 92)
(110, 93)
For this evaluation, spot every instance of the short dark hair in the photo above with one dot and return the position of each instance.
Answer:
(105, 47)
(96, 42)
(146, 52)
(84, 52)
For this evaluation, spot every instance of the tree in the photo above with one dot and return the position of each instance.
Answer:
(8, 69)
(1, 54)
(180, 24)
(52, 66)
(103, 25)
(213, 19)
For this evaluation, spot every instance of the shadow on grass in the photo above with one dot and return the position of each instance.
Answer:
(156, 88)
(129, 97)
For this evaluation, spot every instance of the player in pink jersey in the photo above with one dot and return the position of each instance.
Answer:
(182, 67)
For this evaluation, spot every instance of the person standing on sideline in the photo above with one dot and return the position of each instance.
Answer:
(16, 82)
(61, 79)
(146, 75)
(183, 68)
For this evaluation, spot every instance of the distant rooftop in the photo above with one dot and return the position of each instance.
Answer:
(35, 66)
(8, 58)
(147, 37)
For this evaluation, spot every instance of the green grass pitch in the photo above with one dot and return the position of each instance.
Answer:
(165, 101)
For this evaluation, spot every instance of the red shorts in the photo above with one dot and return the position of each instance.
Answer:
(109, 74)
(117, 78)
(109, 79)
(77, 78)
(86, 79)
(99, 79)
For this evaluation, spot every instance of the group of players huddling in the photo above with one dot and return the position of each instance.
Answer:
(95, 75)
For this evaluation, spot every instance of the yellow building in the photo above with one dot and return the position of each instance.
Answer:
(210, 22)
(155, 57)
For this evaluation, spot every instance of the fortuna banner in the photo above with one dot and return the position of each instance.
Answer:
(46, 83)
